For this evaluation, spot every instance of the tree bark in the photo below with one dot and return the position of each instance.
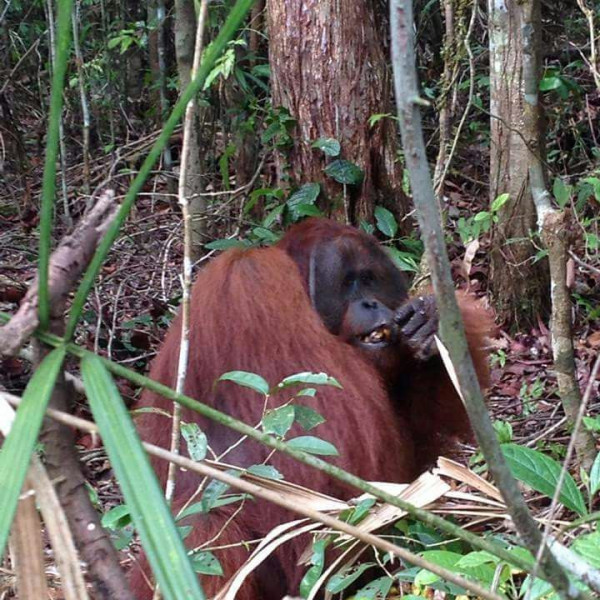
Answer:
(329, 70)
(519, 285)
(185, 36)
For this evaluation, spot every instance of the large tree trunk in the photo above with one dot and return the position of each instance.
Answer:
(519, 285)
(329, 70)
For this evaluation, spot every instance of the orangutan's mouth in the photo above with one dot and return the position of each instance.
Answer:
(379, 336)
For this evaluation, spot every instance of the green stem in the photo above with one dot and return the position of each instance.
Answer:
(63, 41)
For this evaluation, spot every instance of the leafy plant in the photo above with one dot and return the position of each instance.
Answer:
(471, 228)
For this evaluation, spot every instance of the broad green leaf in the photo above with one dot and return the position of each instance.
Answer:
(329, 146)
(340, 581)
(442, 558)
(273, 216)
(309, 379)
(266, 471)
(279, 420)
(307, 194)
(307, 417)
(141, 490)
(245, 379)
(588, 547)
(550, 83)
(592, 424)
(541, 473)
(538, 589)
(344, 171)
(307, 210)
(21, 439)
(499, 202)
(206, 563)
(378, 589)
(477, 558)
(386, 222)
(404, 260)
(313, 445)
(595, 476)
(484, 215)
(562, 192)
(116, 517)
(310, 392)
(195, 440)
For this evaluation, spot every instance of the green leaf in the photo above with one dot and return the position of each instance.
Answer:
(141, 490)
(246, 379)
(541, 473)
(343, 171)
(196, 441)
(317, 561)
(504, 431)
(562, 192)
(313, 445)
(214, 490)
(307, 417)
(329, 146)
(266, 471)
(310, 392)
(206, 563)
(476, 559)
(307, 194)
(442, 558)
(386, 222)
(405, 261)
(588, 547)
(306, 210)
(499, 202)
(357, 513)
(377, 589)
(226, 244)
(482, 216)
(550, 83)
(116, 517)
(310, 379)
(340, 581)
(279, 420)
(22, 437)
(595, 476)
(374, 119)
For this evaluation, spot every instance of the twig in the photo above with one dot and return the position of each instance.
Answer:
(186, 277)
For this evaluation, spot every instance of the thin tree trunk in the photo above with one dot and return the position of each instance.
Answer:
(329, 70)
(185, 34)
(519, 284)
(555, 230)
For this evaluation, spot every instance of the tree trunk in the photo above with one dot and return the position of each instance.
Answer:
(185, 38)
(519, 285)
(329, 70)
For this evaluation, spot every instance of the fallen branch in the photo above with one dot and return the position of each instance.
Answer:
(66, 265)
